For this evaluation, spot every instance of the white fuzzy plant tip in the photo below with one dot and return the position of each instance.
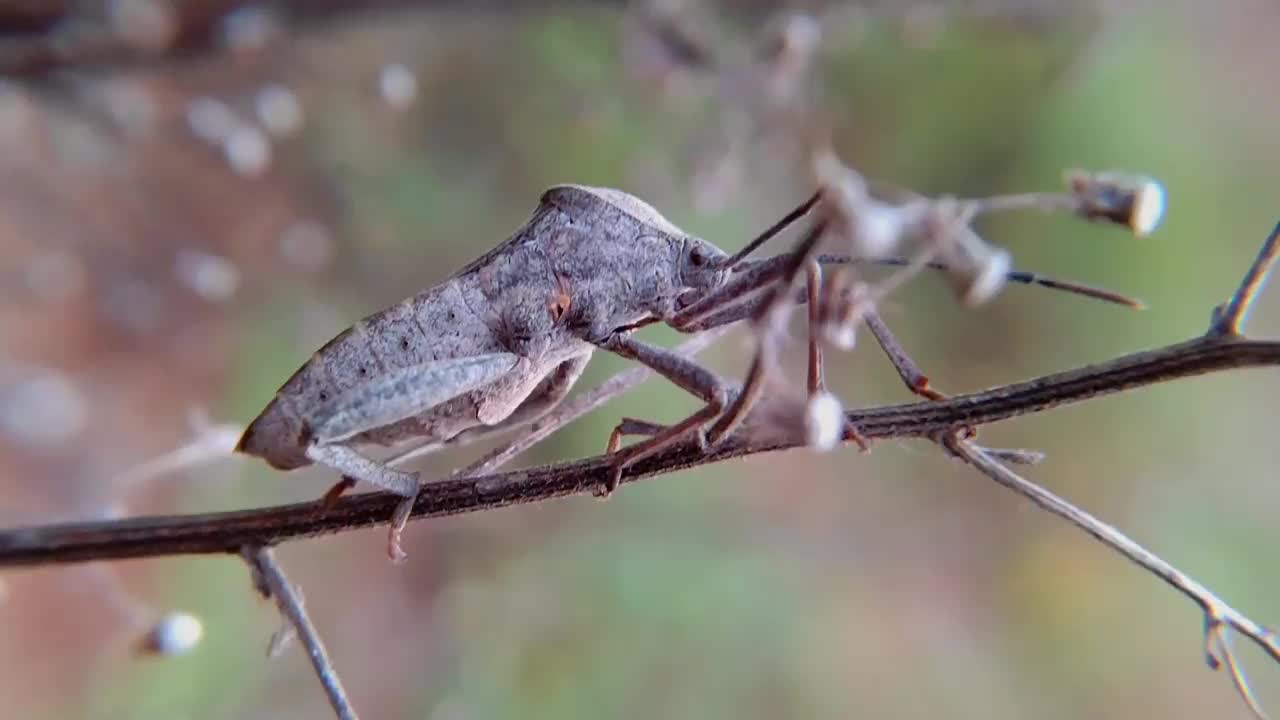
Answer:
(872, 226)
(174, 634)
(989, 278)
(824, 422)
(1134, 201)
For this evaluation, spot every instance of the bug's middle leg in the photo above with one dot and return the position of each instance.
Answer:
(685, 373)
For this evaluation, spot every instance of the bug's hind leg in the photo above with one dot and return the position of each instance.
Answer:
(355, 466)
(685, 373)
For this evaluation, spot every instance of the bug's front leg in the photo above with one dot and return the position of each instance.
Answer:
(689, 376)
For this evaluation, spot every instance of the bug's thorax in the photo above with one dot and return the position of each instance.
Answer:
(620, 259)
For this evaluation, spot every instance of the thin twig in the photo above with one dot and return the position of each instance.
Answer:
(228, 532)
(1229, 319)
(272, 583)
(1217, 611)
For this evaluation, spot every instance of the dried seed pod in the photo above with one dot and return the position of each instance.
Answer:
(176, 633)
(1134, 201)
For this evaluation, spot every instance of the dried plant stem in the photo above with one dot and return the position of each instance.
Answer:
(1218, 614)
(228, 532)
(272, 583)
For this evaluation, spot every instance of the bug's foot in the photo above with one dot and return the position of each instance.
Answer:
(606, 488)
(399, 519)
(854, 433)
(699, 436)
(394, 550)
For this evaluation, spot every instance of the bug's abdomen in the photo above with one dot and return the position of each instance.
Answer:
(434, 324)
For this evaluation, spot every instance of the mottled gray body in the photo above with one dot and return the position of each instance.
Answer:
(498, 343)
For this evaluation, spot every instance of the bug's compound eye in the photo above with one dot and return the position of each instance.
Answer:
(697, 258)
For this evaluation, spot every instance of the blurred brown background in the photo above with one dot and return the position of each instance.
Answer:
(191, 201)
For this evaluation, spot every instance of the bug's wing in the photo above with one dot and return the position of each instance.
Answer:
(405, 392)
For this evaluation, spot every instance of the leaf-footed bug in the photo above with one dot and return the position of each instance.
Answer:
(503, 340)
(497, 344)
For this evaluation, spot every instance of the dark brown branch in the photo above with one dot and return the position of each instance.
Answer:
(228, 532)
(273, 584)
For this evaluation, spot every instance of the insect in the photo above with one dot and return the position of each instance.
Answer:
(498, 343)
(501, 342)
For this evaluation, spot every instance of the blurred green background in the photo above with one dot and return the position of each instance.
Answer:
(145, 271)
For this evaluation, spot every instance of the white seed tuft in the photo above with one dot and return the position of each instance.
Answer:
(1148, 208)
(247, 150)
(880, 226)
(212, 277)
(210, 119)
(843, 335)
(43, 411)
(278, 109)
(248, 29)
(307, 244)
(397, 85)
(824, 422)
(177, 633)
(989, 277)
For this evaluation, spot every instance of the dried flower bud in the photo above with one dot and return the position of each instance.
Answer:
(1135, 201)
(177, 633)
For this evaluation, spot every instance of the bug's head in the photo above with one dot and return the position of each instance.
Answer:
(702, 265)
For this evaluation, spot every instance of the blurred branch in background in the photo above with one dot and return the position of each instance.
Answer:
(43, 36)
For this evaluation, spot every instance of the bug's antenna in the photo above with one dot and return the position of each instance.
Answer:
(773, 230)
(1022, 277)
